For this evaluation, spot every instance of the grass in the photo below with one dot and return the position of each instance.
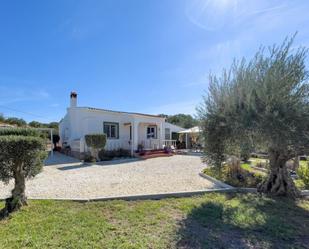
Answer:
(302, 183)
(255, 160)
(247, 166)
(303, 163)
(250, 177)
(250, 181)
(209, 221)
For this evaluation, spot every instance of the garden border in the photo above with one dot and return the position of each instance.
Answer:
(214, 180)
(304, 194)
(225, 188)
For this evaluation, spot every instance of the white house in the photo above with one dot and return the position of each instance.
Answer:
(126, 130)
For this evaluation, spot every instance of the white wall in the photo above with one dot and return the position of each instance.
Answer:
(82, 121)
(85, 121)
(173, 128)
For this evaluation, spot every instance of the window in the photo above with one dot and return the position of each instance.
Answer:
(111, 130)
(167, 134)
(152, 131)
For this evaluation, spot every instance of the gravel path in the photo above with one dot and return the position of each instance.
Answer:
(65, 177)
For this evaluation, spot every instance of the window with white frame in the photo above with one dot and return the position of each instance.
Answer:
(152, 131)
(111, 130)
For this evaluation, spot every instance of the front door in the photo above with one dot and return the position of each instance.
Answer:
(151, 132)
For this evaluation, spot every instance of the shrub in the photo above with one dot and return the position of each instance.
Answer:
(19, 132)
(110, 154)
(300, 184)
(233, 168)
(106, 155)
(123, 153)
(261, 164)
(95, 142)
(89, 159)
(245, 150)
(233, 174)
(303, 173)
(21, 157)
(16, 121)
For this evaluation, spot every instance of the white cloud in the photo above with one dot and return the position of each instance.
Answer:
(211, 14)
(10, 94)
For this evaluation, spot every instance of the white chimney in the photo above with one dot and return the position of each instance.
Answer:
(73, 98)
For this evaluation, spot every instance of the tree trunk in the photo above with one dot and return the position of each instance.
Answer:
(296, 163)
(18, 198)
(94, 153)
(279, 182)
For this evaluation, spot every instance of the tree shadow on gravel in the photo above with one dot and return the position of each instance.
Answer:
(245, 221)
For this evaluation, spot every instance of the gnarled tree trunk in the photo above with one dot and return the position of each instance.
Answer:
(278, 182)
(296, 163)
(18, 198)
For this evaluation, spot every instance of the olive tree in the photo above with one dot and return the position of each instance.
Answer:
(96, 142)
(22, 153)
(265, 100)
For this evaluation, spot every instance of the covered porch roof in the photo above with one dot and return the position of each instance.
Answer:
(194, 129)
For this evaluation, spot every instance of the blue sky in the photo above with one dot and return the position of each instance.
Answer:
(149, 56)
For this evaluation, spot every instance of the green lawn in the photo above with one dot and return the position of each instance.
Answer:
(209, 221)
(250, 177)
(248, 167)
(253, 161)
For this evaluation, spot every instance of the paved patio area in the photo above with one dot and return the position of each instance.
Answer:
(65, 177)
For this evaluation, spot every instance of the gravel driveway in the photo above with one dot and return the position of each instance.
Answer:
(65, 177)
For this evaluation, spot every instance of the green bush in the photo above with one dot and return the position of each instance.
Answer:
(19, 132)
(123, 153)
(303, 173)
(245, 150)
(21, 157)
(16, 121)
(263, 165)
(300, 184)
(106, 155)
(96, 142)
(89, 159)
(241, 178)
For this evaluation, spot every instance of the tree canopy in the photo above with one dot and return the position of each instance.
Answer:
(22, 152)
(15, 121)
(265, 102)
(96, 142)
(22, 123)
(182, 120)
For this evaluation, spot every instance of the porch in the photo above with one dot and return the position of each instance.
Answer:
(138, 135)
(149, 136)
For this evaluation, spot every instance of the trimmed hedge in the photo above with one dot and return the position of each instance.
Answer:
(27, 151)
(105, 155)
(96, 141)
(22, 153)
(19, 132)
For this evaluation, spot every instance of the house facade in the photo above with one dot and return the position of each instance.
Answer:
(126, 130)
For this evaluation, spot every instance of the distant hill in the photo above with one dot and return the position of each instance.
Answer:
(19, 122)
